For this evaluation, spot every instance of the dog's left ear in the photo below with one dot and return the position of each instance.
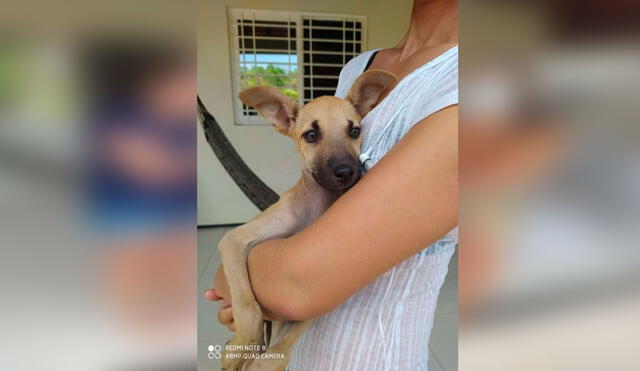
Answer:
(273, 105)
(369, 88)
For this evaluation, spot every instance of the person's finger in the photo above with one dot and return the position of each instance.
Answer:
(225, 315)
(211, 295)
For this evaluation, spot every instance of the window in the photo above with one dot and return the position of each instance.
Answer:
(301, 54)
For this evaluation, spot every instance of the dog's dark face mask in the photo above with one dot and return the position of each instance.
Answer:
(338, 174)
(328, 140)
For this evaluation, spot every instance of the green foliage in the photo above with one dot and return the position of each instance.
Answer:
(291, 93)
(287, 82)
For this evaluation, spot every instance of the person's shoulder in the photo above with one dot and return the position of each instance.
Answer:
(357, 63)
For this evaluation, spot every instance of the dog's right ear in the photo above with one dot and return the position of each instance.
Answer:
(273, 105)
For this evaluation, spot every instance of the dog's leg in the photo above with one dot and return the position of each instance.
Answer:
(277, 356)
(278, 221)
(246, 311)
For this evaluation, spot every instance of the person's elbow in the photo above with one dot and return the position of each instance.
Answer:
(292, 309)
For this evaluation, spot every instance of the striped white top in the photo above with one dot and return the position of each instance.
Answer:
(386, 326)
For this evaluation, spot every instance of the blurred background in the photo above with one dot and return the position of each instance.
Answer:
(549, 170)
(97, 185)
(97, 178)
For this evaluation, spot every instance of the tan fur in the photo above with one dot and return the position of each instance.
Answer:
(369, 89)
(297, 208)
(332, 114)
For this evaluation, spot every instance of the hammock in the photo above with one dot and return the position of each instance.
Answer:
(253, 187)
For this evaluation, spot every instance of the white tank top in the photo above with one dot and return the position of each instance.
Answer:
(387, 324)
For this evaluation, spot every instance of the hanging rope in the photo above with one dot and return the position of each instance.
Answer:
(253, 187)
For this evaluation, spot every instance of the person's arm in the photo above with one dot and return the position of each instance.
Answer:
(406, 202)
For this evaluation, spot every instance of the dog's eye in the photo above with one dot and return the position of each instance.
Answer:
(354, 133)
(310, 136)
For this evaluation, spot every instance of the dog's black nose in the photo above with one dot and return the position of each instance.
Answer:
(343, 173)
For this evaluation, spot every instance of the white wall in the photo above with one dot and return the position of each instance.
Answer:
(270, 155)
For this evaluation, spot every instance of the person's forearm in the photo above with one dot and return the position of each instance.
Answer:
(273, 281)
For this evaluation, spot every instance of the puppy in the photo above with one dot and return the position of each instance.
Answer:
(326, 132)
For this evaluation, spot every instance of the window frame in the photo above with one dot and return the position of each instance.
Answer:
(282, 16)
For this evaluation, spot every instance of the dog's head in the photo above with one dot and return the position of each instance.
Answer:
(327, 129)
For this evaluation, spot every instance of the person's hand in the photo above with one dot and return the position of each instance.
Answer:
(220, 292)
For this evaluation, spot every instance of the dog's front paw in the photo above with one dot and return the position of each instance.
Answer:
(231, 359)
(229, 363)
(239, 350)
(249, 326)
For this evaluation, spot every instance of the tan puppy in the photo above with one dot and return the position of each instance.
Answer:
(326, 132)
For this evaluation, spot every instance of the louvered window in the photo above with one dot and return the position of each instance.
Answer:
(299, 53)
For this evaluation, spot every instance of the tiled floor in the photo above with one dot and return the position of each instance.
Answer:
(443, 348)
